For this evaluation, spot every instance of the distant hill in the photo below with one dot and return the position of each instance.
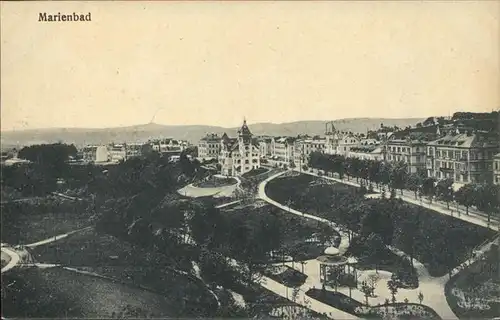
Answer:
(192, 133)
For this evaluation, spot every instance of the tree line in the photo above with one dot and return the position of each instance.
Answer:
(395, 176)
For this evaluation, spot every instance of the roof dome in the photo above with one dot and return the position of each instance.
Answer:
(332, 251)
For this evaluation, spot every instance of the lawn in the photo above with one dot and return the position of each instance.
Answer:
(108, 256)
(255, 172)
(335, 299)
(440, 242)
(94, 249)
(390, 311)
(28, 222)
(300, 238)
(266, 304)
(215, 182)
(475, 292)
(57, 293)
(443, 242)
(287, 276)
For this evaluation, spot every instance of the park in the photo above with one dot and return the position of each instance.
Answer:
(274, 242)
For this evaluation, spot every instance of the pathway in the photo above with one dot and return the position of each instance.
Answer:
(55, 238)
(432, 288)
(195, 192)
(228, 204)
(13, 256)
(22, 257)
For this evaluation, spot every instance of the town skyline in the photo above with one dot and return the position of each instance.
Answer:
(214, 63)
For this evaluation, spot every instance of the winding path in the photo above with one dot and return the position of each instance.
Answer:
(18, 257)
(14, 258)
(432, 288)
(195, 192)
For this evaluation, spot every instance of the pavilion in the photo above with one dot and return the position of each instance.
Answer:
(334, 266)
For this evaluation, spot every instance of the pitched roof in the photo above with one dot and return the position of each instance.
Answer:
(244, 130)
(464, 140)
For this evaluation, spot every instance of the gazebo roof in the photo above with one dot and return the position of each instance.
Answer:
(332, 251)
(332, 260)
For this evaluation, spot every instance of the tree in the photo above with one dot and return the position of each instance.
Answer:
(372, 281)
(414, 182)
(487, 198)
(420, 297)
(465, 196)
(393, 286)
(428, 188)
(444, 191)
(367, 290)
(375, 247)
(398, 175)
(408, 230)
(379, 220)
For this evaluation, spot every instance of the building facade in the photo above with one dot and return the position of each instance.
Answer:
(169, 145)
(339, 142)
(117, 152)
(95, 154)
(240, 155)
(209, 147)
(265, 146)
(496, 169)
(412, 152)
(282, 149)
(367, 152)
(304, 147)
(464, 157)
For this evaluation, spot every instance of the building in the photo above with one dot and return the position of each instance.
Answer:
(239, 155)
(305, 146)
(407, 150)
(117, 152)
(209, 147)
(331, 141)
(464, 157)
(282, 151)
(133, 150)
(367, 152)
(265, 146)
(339, 142)
(496, 169)
(95, 154)
(169, 145)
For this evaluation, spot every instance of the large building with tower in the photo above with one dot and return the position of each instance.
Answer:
(239, 155)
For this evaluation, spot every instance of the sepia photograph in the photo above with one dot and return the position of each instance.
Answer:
(250, 159)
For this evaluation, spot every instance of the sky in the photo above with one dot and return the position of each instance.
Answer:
(215, 63)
